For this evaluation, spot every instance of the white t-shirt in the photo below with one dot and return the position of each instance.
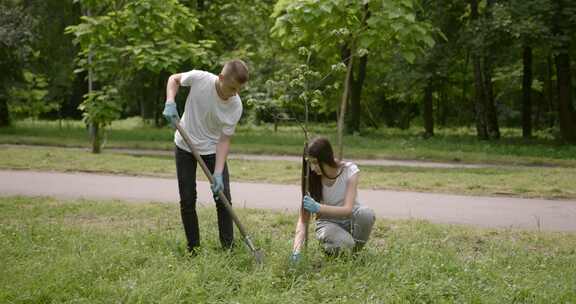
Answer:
(206, 115)
(334, 195)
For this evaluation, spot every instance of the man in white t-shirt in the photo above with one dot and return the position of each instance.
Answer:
(212, 110)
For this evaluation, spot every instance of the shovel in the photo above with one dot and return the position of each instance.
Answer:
(257, 253)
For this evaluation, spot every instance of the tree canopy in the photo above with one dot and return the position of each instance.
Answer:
(365, 64)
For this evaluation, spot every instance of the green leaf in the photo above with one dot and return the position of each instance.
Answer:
(428, 40)
(409, 56)
(410, 17)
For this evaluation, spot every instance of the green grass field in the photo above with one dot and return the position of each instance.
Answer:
(54, 251)
(79, 251)
(545, 182)
(451, 145)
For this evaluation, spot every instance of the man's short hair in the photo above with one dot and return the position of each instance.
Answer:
(237, 69)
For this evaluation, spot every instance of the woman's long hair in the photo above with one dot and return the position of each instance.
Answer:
(321, 149)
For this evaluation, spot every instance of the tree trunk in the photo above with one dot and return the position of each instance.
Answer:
(485, 107)
(343, 104)
(491, 111)
(96, 137)
(565, 107)
(355, 96)
(464, 96)
(566, 113)
(4, 115)
(550, 101)
(443, 108)
(526, 92)
(436, 115)
(93, 126)
(428, 111)
(356, 89)
(479, 98)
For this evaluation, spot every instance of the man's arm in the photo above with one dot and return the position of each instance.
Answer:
(170, 109)
(222, 149)
(172, 87)
(221, 154)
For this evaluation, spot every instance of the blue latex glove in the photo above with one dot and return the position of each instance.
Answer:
(310, 204)
(295, 257)
(171, 113)
(218, 185)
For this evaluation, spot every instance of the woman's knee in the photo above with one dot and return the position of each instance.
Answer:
(363, 222)
(334, 239)
(364, 216)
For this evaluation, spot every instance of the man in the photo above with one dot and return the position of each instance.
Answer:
(212, 110)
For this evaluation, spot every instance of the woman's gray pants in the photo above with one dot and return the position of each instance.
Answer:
(336, 235)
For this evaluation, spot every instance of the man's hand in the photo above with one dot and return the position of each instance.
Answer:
(310, 204)
(218, 185)
(171, 113)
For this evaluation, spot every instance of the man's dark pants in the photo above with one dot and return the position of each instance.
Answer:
(186, 170)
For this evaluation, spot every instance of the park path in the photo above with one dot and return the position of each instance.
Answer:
(494, 212)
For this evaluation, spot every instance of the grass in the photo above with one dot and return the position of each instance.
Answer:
(544, 182)
(449, 144)
(54, 251)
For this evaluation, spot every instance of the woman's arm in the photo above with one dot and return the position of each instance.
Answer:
(301, 230)
(345, 210)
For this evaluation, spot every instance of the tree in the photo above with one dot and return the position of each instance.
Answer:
(564, 22)
(150, 36)
(55, 54)
(482, 56)
(343, 31)
(29, 99)
(435, 68)
(529, 28)
(240, 29)
(16, 27)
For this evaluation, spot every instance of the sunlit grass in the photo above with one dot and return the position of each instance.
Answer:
(449, 144)
(55, 251)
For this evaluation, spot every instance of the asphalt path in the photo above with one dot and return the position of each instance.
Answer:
(494, 212)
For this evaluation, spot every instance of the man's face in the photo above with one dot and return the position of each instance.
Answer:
(228, 86)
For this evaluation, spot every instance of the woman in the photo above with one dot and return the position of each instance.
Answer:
(342, 223)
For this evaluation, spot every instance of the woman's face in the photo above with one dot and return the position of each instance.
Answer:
(314, 165)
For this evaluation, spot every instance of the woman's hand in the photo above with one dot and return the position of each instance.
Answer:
(310, 204)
